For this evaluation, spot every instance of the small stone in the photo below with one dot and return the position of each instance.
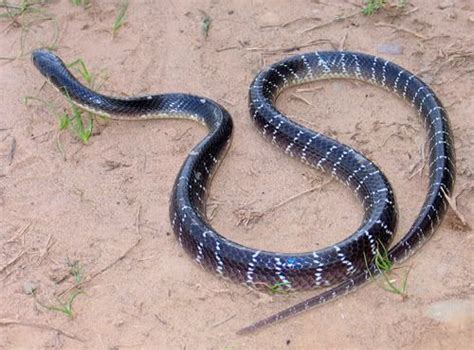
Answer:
(471, 19)
(445, 4)
(59, 276)
(455, 312)
(29, 288)
(390, 49)
(119, 323)
(451, 15)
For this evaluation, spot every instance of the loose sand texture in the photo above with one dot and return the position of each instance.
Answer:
(98, 213)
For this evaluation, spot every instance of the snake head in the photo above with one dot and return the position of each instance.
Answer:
(46, 62)
(55, 72)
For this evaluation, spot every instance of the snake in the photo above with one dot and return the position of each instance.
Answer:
(343, 266)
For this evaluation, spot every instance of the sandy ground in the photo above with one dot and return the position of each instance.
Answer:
(105, 205)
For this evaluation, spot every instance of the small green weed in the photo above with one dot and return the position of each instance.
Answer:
(83, 3)
(75, 270)
(278, 288)
(385, 267)
(372, 6)
(13, 11)
(119, 17)
(81, 68)
(79, 121)
(26, 15)
(63, 307)
(75, 121)
(205, 23)
(401, 3)
(64, 121)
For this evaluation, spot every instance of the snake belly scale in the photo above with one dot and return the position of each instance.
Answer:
(345, 263)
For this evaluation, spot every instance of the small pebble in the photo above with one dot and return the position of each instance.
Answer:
(390, 49)
(454, 312)
(119, 323)
(451, 15)
(29, 287)
(445, 4)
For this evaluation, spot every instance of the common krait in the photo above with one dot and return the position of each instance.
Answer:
(343, 263)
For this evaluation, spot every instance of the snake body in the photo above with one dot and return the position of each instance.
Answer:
(347, 264)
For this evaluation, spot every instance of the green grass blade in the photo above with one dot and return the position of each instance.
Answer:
(119, 17)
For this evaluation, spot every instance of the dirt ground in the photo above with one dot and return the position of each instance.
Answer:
(98, 213)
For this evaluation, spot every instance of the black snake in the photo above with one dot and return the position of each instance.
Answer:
(345, 263)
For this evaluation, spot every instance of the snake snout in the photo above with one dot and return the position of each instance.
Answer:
(44, 61)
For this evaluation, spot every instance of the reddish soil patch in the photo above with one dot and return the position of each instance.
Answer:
(81, 203)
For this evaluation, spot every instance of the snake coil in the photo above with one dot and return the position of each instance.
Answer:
(345, 263)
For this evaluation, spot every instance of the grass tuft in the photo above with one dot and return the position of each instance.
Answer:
(372, 6)
(74, 120)
(119, 17)
(28, 16)
(278, 288)
(385, 266)
(83, 3)
(81, 68)
(75, 270)
(79, 121)
(205, 23)
(62, 307)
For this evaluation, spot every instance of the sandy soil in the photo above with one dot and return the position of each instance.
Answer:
(105, 204)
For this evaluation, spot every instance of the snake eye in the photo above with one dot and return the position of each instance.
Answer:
(34, 58)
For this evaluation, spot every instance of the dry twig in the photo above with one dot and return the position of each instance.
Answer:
(11, 154)
(185, 133)
(400, 29)
(49, 243)
(292, 198)
(276, 50)
(20, 233)
(13, 260)
(300, 98)
(420, 164)
(223, 321)
(343, 42)
(309, 89)
(286, 24)
(111, 264)
(337, 19)
(8, 322)
(226, 48)
(247, 216)
(452, 201)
